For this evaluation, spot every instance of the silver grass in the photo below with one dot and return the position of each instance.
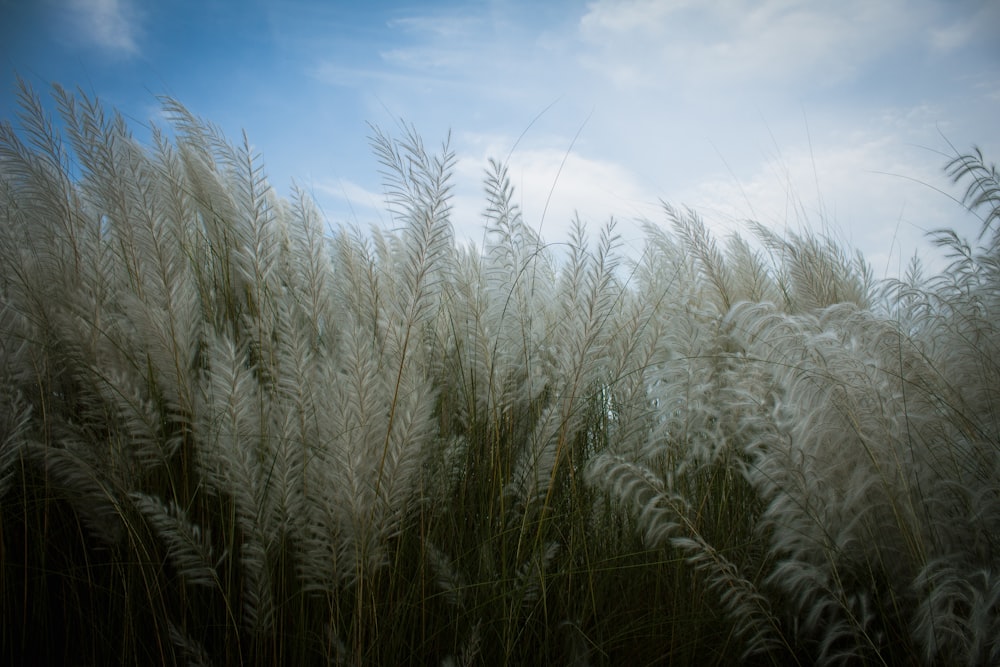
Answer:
(529, 578)
(95, 495)
(359, 287)
(852, 491)
(450, 581)
(470, 651)
(256, 226)
(664, 517)
(296, 421)
(371, 456)
(236, 458)
(637, 350)
(854, 372)
(192, 651)
(577, 360)
(233, 206)
(42, 204)
(709, 262)
(15, 417)
(310, 256)
(189, 546)
(536, 464)
(754, 282)
(472, 379)
(385, 406)
(53, 267)
(814, 272)
(359, 408)
(418, 192)
(818, 450)
(126, 400)
(665, 271)
(502, 292)
(120, 182)
(983, 187)
(956, 621)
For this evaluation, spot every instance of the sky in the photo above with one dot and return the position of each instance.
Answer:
(834, 117)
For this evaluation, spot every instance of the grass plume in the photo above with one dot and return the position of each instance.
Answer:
(248, 438)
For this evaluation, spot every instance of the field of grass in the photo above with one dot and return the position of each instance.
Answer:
(232, 435)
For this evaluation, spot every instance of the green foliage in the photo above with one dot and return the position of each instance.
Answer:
(245, 440)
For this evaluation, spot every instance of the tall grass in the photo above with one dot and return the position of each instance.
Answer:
(229, 435)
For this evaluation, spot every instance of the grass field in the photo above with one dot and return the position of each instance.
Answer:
(230, 434)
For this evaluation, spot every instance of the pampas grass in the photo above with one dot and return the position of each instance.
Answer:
(248, 438)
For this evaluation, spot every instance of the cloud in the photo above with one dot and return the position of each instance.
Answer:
(648, 42)
(344, 200)
(359, 76)
(440, 26)
(111, 25)
(950, 37)
(551, 187)
(630, 17)
(975, 27)
(874, 192)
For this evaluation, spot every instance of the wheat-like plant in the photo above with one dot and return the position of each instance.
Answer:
(251, 435)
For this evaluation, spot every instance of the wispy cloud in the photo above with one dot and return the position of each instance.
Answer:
(361, 76)
(646, 42)
(345, 201)
(351, 193)
(977, 26)
(111, 25)
(439, 26)
(551, 187)
(870, 191)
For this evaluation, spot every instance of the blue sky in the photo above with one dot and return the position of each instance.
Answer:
(831, 115)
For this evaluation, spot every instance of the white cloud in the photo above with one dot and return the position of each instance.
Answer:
(346, 201)
(422, 58)
(646, 42)
(441, 27)
(359, 76)
(976, 27)
(111, 25)
(874, 193)
(950, 37)
(629, 17)
(548, 182)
